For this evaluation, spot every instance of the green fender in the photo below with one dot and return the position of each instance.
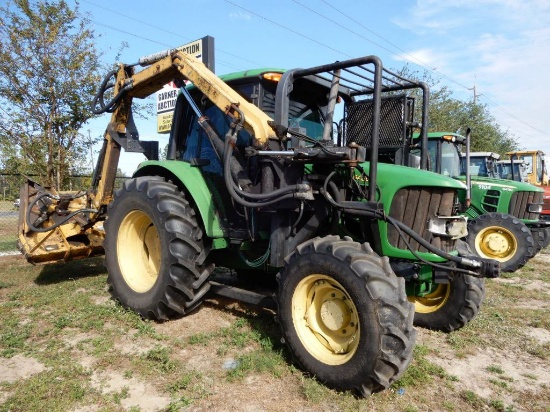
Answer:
(192, 179)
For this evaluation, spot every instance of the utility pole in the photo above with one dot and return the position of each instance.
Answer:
(475, 92)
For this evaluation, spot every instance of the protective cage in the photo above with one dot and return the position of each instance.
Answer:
(395, 115)
(375, 101)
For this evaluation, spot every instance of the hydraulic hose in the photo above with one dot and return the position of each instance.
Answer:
(237, 193)
(402, 227)
(99, 98)
(235, 169)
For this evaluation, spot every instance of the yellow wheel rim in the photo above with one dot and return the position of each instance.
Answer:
(495, 242)
(325, 319)
(433, 301)
(138, 251)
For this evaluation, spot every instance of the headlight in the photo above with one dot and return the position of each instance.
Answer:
(534, 208)
(454, 227)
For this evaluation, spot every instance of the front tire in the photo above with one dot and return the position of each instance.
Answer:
(449, 306)
(503, 238)
(345, 315)
(154, 250)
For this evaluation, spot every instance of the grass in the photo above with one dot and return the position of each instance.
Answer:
(422, 371)
(6, 206)
(95, 354)
(8, 226)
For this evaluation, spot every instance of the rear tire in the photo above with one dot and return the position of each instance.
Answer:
(345, 315)
(450, 306)
(503, 238)
(154, 250)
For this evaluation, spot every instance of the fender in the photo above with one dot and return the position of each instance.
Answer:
(189, 177)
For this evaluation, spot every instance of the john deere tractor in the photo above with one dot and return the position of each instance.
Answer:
(504, 215)
(264, 178)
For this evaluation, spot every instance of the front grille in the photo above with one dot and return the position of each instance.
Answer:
(520, 202)
(490, 201)
(414, 206)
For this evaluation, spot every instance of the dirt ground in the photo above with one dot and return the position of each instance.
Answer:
(265, 392)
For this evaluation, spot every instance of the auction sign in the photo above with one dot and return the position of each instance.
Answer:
(202, 49)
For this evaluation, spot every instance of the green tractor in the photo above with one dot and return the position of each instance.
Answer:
(504, 215)
(260, 178)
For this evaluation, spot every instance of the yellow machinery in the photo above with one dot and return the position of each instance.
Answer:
(535, 165)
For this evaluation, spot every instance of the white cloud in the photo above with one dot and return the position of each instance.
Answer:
(239, 15)
(444, 17)
(501, 45)
(512, 73)
(429, 59)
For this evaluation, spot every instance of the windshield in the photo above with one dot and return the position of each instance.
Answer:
(540, 169)
(450, 158)
(305, 109)
(505, 171)
(478, 166)
(528, 160)
(305, 117)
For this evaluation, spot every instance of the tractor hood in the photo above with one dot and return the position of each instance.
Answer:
(402, 176)
(503, 184)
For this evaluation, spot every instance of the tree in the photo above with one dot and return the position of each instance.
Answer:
(449, 114)
(48, 72)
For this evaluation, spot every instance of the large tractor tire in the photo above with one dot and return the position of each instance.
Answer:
(449, 306)
(154, 250)
(345, 315)
(503, 238)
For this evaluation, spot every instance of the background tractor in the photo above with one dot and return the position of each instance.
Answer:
(536, 174)
(536, 165)
(483, 164)
(504, 215)
(267, 176)
(488, 164)
(512, 170)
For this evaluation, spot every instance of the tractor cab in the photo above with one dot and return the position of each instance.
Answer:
(483, 164)
(535, 164)
(512, 170)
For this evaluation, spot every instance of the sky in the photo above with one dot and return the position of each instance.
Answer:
(497, 50)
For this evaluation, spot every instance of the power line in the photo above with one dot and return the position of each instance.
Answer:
(515, 117)
(163, 30)
(418, 61)
(128, 33)
(371, 31)
(339, 25)
(413, 59)
(289, 29)
(154, 41)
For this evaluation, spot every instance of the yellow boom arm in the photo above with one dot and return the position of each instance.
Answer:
(55, 238)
